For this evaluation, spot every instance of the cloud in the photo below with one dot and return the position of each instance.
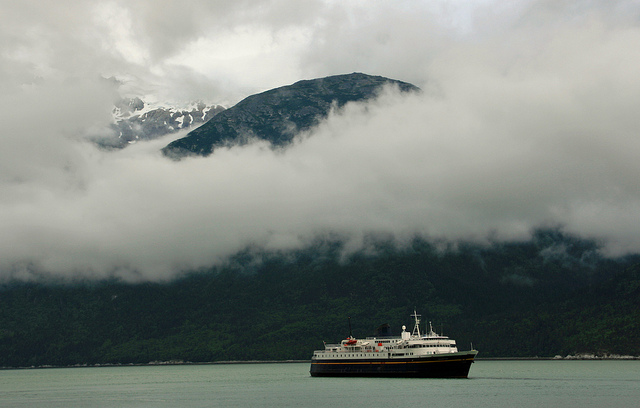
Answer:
(529, 124)
(242, 47)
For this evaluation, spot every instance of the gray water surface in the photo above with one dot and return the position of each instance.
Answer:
(564, 384)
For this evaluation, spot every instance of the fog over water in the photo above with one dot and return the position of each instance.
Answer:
(528, 118)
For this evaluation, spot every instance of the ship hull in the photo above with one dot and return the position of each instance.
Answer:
(454, 365)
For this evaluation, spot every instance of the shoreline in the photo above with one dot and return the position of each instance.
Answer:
(178, 362)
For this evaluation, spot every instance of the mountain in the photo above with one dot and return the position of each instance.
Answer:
(553, 295)
(135, 120)
(279, 114)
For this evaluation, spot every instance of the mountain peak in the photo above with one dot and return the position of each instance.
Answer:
(278, 114)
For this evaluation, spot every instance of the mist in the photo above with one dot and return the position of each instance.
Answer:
(527, 119)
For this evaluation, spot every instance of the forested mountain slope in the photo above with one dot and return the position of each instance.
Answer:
(550, 296)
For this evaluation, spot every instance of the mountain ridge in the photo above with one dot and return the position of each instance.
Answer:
(278, 114)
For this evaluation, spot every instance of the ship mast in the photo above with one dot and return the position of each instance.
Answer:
(416, 328)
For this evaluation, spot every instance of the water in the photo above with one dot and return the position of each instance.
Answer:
(493, 384)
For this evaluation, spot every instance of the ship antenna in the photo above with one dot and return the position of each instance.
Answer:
(350, 335)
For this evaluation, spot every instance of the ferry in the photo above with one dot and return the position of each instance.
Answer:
(412, 354)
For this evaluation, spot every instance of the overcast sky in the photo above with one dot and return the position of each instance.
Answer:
(529, 117)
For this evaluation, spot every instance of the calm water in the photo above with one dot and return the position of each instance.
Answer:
(491, 384)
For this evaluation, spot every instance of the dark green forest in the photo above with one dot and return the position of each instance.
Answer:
(552, 295)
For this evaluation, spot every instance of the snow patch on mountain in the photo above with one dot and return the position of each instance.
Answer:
(135, 120)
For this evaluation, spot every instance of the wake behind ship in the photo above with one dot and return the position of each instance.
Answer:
(427, 355)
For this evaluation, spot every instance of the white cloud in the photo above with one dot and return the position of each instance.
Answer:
(119, 36)
(519, 126)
